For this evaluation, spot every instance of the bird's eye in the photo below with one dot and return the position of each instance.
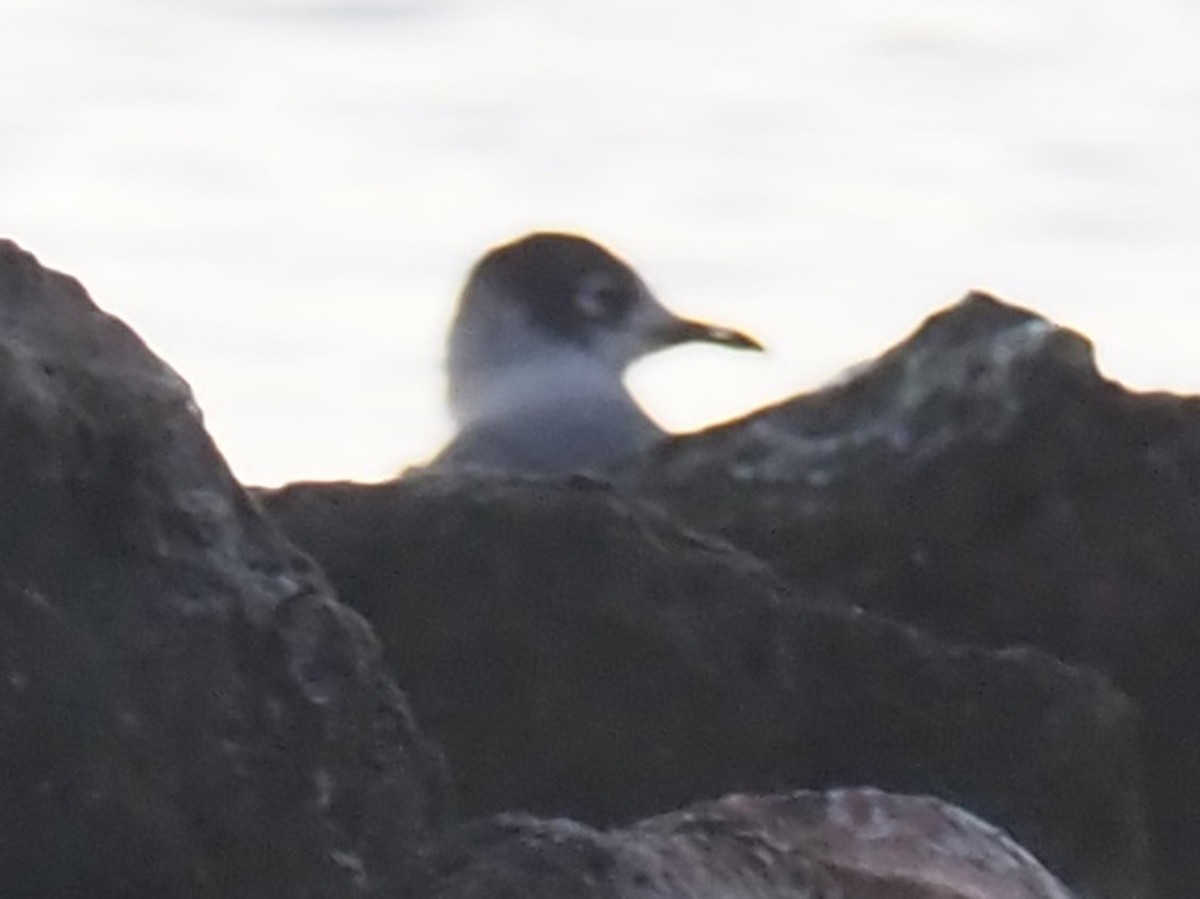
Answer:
(602, 300)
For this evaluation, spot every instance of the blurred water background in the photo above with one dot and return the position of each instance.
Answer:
(282, 196)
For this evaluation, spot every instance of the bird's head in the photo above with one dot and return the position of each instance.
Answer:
(563, 290)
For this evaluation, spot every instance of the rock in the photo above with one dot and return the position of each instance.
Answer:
(984, 481)
(186, 710)
(580, 654)
(860, 843)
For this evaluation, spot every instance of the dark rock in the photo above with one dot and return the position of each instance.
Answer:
(859, 843)
(185, 709)
(984, 481)
(580, 655)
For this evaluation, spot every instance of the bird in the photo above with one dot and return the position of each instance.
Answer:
(545, 329)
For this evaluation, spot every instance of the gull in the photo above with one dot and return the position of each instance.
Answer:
(546, 327)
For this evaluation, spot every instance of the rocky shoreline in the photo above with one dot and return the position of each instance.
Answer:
(812, 650)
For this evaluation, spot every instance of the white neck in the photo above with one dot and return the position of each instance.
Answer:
(560, 381)
(553, 412)
(522, 399)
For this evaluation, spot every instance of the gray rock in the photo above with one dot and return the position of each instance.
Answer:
(186, 710)
(579, 654)
(984, 481)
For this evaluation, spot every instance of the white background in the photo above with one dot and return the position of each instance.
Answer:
(283, 197)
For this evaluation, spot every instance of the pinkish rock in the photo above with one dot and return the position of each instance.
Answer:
(857, 843)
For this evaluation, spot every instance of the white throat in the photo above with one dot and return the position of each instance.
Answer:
(548, 380)
(551, 408)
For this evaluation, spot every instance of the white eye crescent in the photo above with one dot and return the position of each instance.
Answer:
(599, 298)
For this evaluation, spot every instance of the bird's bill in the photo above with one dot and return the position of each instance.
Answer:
(682, 330)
